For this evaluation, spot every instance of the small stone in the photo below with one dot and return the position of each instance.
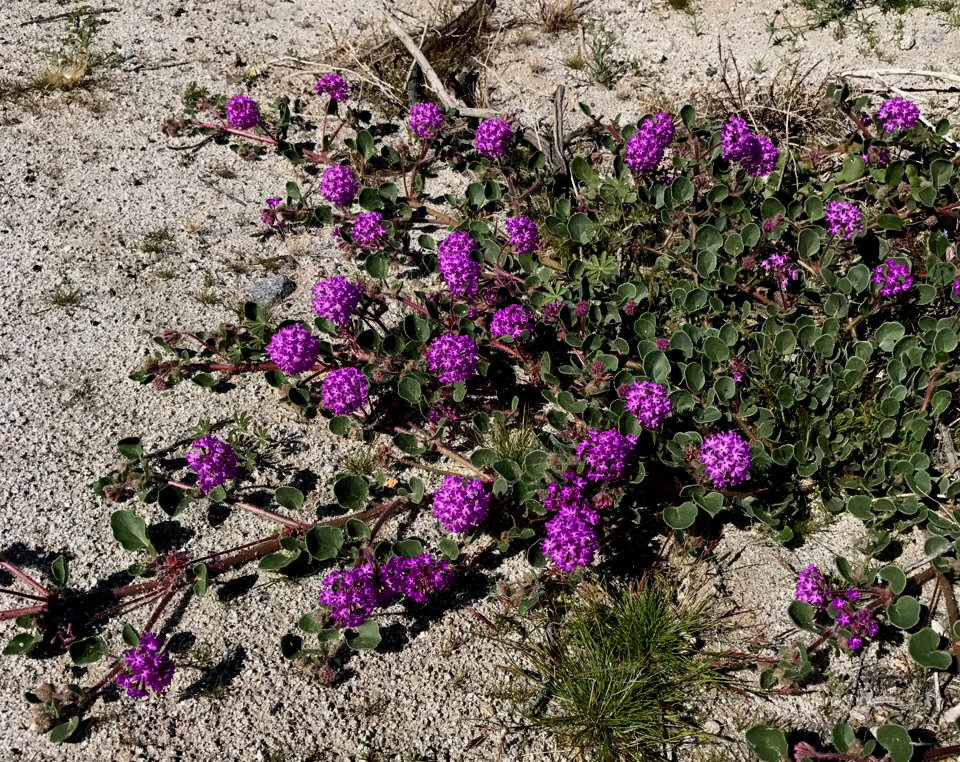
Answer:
(908, 42)
(934, 35)
(712, 726)
(269, 290)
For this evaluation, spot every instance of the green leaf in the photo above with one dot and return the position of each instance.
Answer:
(416, 489)
(291, 646)
(23, 643)
(843, 737)
(130, 636)
(768, 743)
(408, 443)
(923, 650)
(324, 543)
(351, 491)
(365, 637)
(859, 276)
(173, 500)
(200, 583)
(716, 349)
(896, 741)
(449, 548)
(580, 228)
(357, 530)
(708, 238)
(409, 388)
(483, 457)
(904, 612)
(376, 266)
(206, 380)
(584, 172)
(60, 570)
(88, 650)
(217, 495)
(706, 263)
(535, 463)
(131, 448)
(289, 497)
(893, 575)
(535, 556)
(889, 222)
(130, 531)
(64, 730)
(278, 560)
(801, 614)
(941, 171)
(508, 469)
(888, 335)
(407, 548)
(680, 516)
(340, 425)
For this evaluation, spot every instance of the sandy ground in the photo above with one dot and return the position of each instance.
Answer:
(86, 177)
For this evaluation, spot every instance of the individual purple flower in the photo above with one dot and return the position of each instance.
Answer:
(606, 453)
(956, 287)
(892, 277)
(417, 578)
(843, 218)
(523, 234)
(812, 588)
(268, 215)
(571, 541)
(737, 366)
(213, 460)
(345, 390)
(649, 402)
(663, 344)
(493, 137)
(336, 299)
(460, 503)
(352, 594)
(581, 309)
(145, 666)
(778, 265)
(242, 112)
(511, 321)
(294, 349)
(426, 119)
(368, 230)
(770, 224)
(646, 146)
(459, 270)
(898, 114)
(339, 185)
(333, 85)
(726, 459)
(453, 358)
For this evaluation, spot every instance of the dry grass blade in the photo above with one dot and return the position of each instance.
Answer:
(559, 15)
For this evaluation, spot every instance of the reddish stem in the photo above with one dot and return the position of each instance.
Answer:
(14, 613)
(930, 384)
(24, 578)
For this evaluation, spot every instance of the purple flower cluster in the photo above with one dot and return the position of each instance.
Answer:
(339, 185)
(493, 137)
(268, 215)
(242, 112)
(460, 272)
(649, 402)
(892, 277)
(646, 147)
(213, 460)
(551, 311)
(755, 152)
(778, 265)
(460, 503)
(726, 459)
(737, 366)
(369, 230)
(146, 667)
(417, 578)
(345, 390)
(571, 540)
(511, 321)
(663, 344)
(453, 358)
(812, 588)
(956, 287)
(523, 234)
(606, 453)
(336, 298)
(351, 594)
(878, 156)
(898, 114)
(426, 119)
(294, 349)
(843, 218)
(333, 85)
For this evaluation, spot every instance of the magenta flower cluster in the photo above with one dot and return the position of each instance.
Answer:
(646, 146)
(493, 137)
(956, 287)
(452, 358)
(605, 454)
(812, 588)
(339, 185)
(242, 112)
(725, 458)
(843, 218)
(898, 114)
(755, 153)
(351, 594)
(333, 85)
(213, 461)
(345, 390)
(417, 578)
(336, 298)
(571, 540)
(426, 119)
(460, 503)
(778, 265)
(649, 402)
(511, 321)
(460, 272)
(369, 230)
(523, 233)
(294, 349)
(145, 667)
(876, 156)
(892, 277)
(268, 215)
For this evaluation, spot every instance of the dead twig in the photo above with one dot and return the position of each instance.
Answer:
(70, 14)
